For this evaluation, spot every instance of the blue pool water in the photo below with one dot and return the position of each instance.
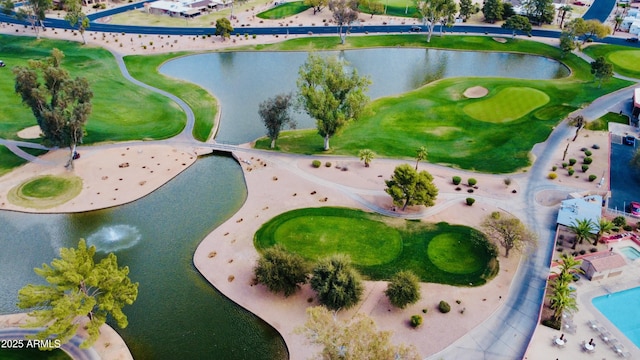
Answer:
(630, 252)
(623, 310)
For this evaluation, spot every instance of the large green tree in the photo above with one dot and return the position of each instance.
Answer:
(541, 11)
(35, 12)
(567, 42)
(317, 5)
(508, 231)
(409, 187)
(336, 282)
(61, 105)
(564, 10)
(435, 12)
(583, 229)
(275, 114)
(492, 10)
(517, 23)
(7, 6)
(78, 287)
(330, 94)
(356, 338)
(281, 271)
(561, 296)
(588, 29)
(467, 8)
(403, 289)
(224, 28)
(604, 226)
(344, 13)
(76, 17)
(601, 70)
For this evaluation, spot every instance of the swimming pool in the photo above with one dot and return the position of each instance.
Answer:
(623, 310)
(630, 252)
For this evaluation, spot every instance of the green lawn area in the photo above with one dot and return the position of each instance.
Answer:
(9, 161)
(284, 10)
(203, 103)
(497, 138)
(121, 111)
(380, 246)
(492, 109)
(602, 123)
(625, 60)
(402, 8)
(47, 191)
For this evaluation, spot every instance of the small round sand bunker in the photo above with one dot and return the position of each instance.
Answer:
(476, 92)
(32, 132)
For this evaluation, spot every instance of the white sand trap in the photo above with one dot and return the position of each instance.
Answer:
(500, 40)
(476, 92)
(32, 132)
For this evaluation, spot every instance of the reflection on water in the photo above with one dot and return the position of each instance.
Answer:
(241, 81)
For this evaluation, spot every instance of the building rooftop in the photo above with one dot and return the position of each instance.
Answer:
(588, 207)
(605, 261)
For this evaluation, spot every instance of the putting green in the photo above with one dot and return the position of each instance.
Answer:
(454, 253)
(627, 59)
(47, 191)
(507, 105)
(368, 242)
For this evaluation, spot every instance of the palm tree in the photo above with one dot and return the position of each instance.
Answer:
(421, 154)
(569, 265)
(604, 226)
(563, 13)
(562, 300)
(583, 229)
(367, 156)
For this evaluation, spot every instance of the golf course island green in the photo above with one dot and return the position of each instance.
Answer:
(380, 246)
(47, 191)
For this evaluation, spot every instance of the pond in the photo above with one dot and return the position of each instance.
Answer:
(178, 314)
(242, 80)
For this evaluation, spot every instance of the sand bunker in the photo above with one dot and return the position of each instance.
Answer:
(476, 92)
(500, 40)
(32, 132)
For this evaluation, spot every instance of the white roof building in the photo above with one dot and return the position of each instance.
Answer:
(588, 207)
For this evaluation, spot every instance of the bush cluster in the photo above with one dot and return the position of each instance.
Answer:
(316, 163)
(619, 221)
(585, 168)
(552, 176)
(327, 164)
(592, 177)
(444, 307)
(572, 162)
(456, 180)
(587, 160)
(416, 320)
(588, 153)
(571, 171)
(470, 201)
(472, 182)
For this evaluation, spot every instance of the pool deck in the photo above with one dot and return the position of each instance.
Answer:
(542, 347)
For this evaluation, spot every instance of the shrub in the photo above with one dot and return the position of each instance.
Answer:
(627, 227)
(469, 191)
(615, 229)
(585, 168)
(507, 181)
(572, 162)
(424, 311)
(403, 289)
(588, 153)
(554, 324)
(595, 146)
(552, 176)
(458, 188)
(472, 182)
(554, 168)
(583, 149)
(444, 307)
(583, 251)
(316, 163)
(470, 201)
(327, 164)
(593, 250)
(619, 221)
(456, 180)
(587, 160)
(564, 165)
(592, 177)
(571, 171)
(416, 320)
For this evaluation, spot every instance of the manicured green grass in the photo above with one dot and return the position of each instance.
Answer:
(121, 110)
(509, 104)
(47, 191)
(284, 10)
(625, 59)
(380, 247)
(202, 103)
(434, 114)
(602, 123)
(401, 8)
(9, 161)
